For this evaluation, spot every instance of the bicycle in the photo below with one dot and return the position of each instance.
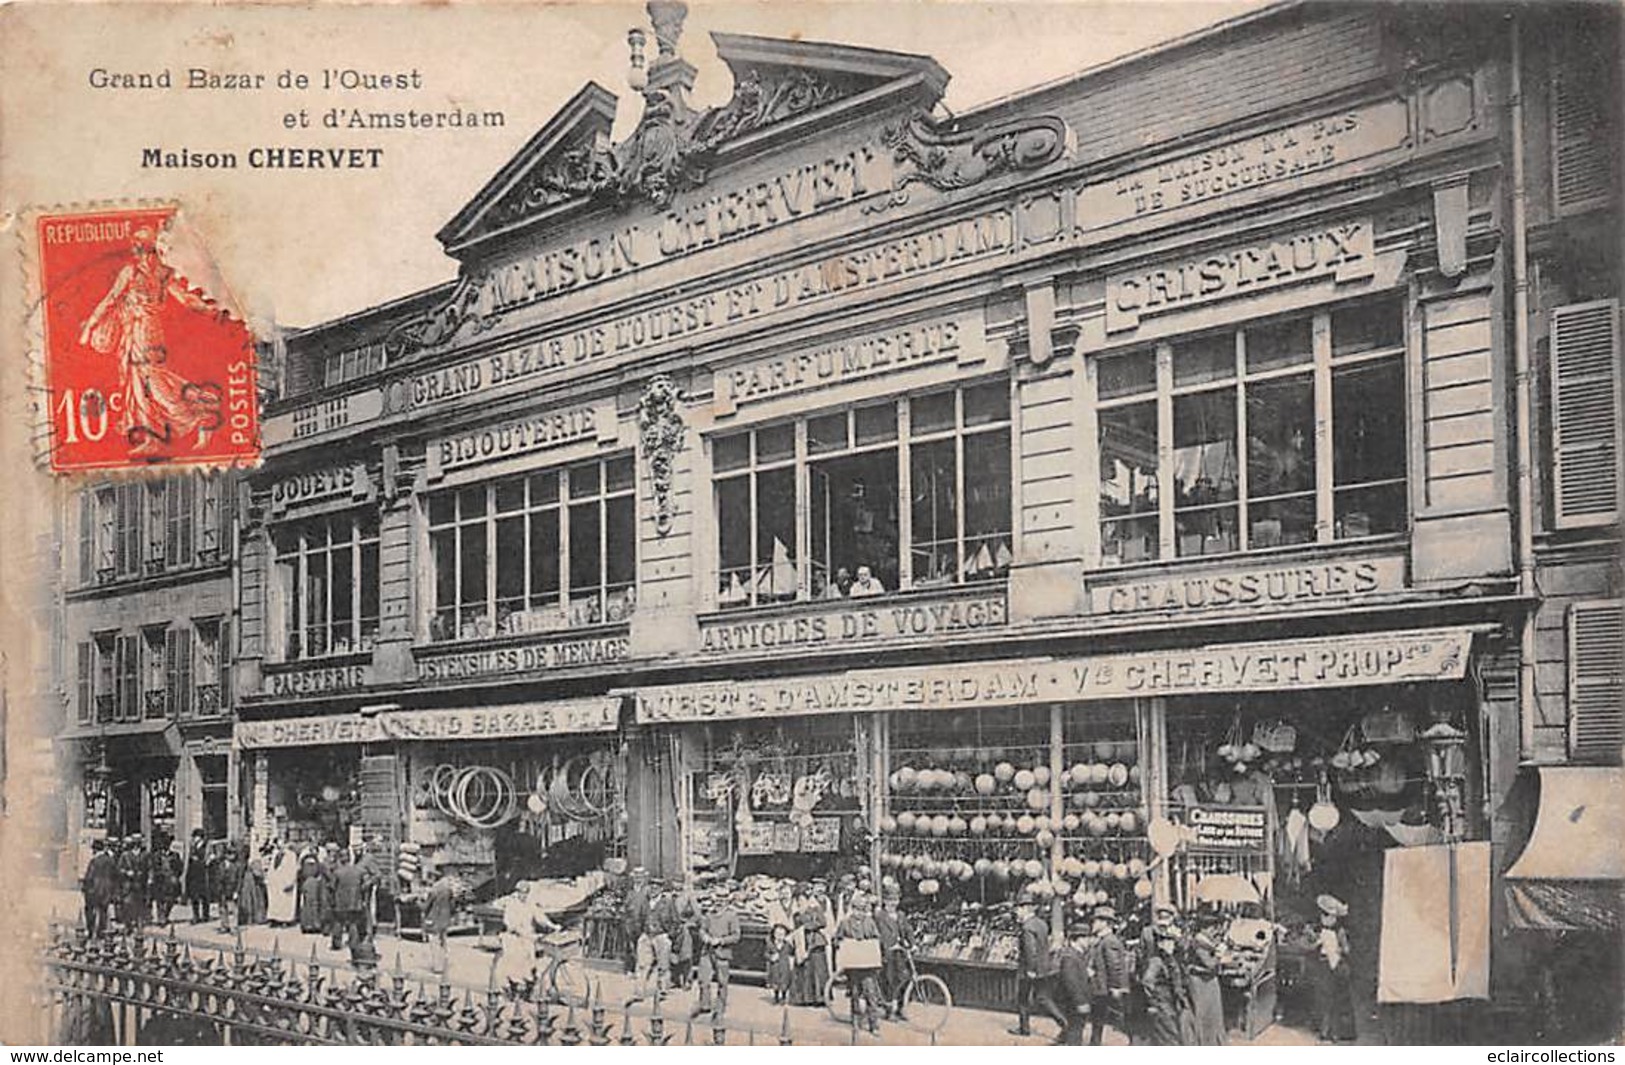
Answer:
(560, 972)
(926, 1001)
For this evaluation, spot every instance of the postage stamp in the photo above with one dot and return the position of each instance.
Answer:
(141, 366)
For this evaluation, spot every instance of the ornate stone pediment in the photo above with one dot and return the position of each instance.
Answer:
(958, 159)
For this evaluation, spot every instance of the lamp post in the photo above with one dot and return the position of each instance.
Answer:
(1447, 776)
(636, 76)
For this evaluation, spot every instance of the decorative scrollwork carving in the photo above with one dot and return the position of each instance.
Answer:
(958, 160)
(660, 424)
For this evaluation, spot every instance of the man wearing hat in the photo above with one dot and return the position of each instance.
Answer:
(858, 937)
(1035, 969)
(1164, 922)
(196, 877)
(100, 887)
(895, 935)
(1072, 980)
(1167, 997)
(1108, 973)
(635, 918)
(1334, 981)
(718, 932)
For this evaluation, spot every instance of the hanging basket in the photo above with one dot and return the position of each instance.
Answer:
(1387, 726)
(1276, 737)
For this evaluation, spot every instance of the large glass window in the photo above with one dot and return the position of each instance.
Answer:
(884, 508)
(536, 552)
(1228, 421)
(328, 578)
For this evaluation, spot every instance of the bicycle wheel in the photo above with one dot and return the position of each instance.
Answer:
(928, 1003)
(569, 982)
(840, 1013)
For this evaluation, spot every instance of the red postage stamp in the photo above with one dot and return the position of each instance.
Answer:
(142, 368)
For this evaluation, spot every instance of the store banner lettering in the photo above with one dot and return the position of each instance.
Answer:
(318, 485)
(318, 681)
(1286, 156)
(525, 658)
(872, 355)
(721, 635)
(492, 442)
(597, 714)
(1327, 662)
(1226, 828)
(1343, 251)
(1255, 587)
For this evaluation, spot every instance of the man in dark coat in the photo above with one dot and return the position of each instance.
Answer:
(1072, 983)
(351, 888)
(717, 934)
(132, 869)
(895, 934)
(166, 880)
(99, 886)
(1108, 974)
(635, 917)
(1035, 970)
(197, 877)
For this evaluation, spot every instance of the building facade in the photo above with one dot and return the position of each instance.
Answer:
(1224, 439)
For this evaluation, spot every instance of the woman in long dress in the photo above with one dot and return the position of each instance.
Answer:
(1333, 979)
(811, 957)
(159, 405)
(1162, 982)
(251, 897)
(281, 886)
(312, 917)
(1207, 999)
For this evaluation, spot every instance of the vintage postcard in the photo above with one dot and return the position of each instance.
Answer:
(867, 524)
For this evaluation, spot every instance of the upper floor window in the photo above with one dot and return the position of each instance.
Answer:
(134, 528)
(327, 577)
(347, 365)
(908, 493)
(1285, 431)
(536, 552)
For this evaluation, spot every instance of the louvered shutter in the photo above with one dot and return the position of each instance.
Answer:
(87, 537)
(1582, 145)
(1597, 680)
(85, 666)
(1585, 413)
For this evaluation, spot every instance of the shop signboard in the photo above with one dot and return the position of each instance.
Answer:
(854, 622)
(1226, 828)
(1249, 588)
(346, 484)
(1289, 157)
(316, 680)
(597, 714)
(1326, 662)
(162, 792)
(537, 655)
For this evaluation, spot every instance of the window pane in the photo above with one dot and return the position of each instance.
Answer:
(1129, 540)
(936, 522)
(776, 443)
(987, 551)
(620, 562)
(584, 480)
(472, 545)
(932, 414)
(733, 541)
(618, 474)
(730, 452)
(1126, 375)
(1128, 483)
(1205, 465)
(1281, 436)
(471, 501)
(1203, 359)
(442, 508)
(585, 569)
(1374, 511)
(826, 434)
(511, 495)
(369, 593)
(987, 404)
(1368, 422)
(316, 603)
(344, 560)
(876, 424)
(1281, 521)
(510, 568)
(1207, 531)
(1276, 344)
(544, 558)
(775, 576)
(443, 546)
(544, 488)
(1369, 325)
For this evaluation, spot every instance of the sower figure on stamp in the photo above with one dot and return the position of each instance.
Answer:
(159, 404)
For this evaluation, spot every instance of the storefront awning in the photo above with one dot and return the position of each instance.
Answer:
(597, 714)
(1571, 874)
(152, 738)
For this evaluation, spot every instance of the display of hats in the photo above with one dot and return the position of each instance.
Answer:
(1023, 779)
(1034, 869)
(1079, 774)
(1114, 821)
(888, 824)
(1037, 799)
(939, 825)
(1071, 822)
(982, 866)
(1117, 774)
(905, 821)
(978, 825)
(1004, 772)
(1045, 838)
(1332, 905)
(1042, 823)
(1094, 824)
(1041, 776)
(985, 784)
(1091, 869)
(1128, 822)
(956, 825)
(1025, 824)
(906, 776)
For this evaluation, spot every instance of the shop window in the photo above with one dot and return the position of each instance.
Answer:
(866, 534)
(538, 552)
(783, 798)
(327, 572)
(208, 667)
(1596, 657)
(154, 672)
(1587, 435)
(1229, 422)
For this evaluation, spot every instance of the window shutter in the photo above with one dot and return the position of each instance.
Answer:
(87, 537)
(223, 657)
(1585, 413)
(85, 665)
(1597, 680)
(1582, 147)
